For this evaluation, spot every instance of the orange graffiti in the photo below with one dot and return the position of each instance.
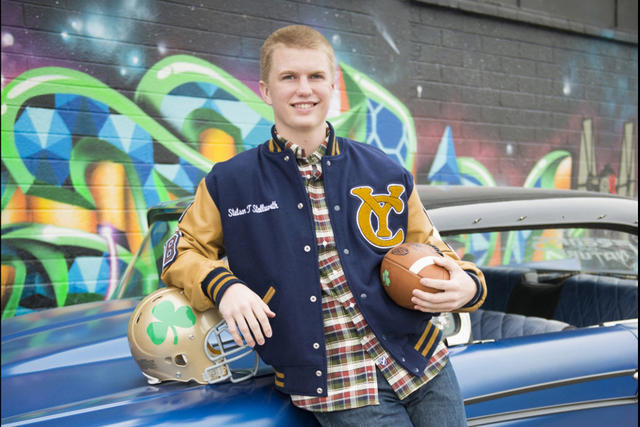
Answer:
(216, 145)
(562, 178)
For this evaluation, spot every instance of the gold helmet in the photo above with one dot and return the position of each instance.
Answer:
(171, 341)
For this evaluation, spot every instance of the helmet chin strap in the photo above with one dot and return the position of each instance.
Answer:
(151, 380)
(215, 374)
(249, 372)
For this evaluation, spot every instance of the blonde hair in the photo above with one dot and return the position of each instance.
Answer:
(294, 36)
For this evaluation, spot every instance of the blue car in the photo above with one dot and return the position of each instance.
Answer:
(555, 343)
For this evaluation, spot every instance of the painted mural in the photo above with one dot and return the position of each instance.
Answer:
(82, 162)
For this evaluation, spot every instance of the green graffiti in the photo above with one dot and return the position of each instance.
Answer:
(364, 94)
(49, 81)
(544, 172)
(59, 125)
(169, 318)
(48, 245)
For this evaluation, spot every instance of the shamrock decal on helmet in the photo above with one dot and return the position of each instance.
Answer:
(169, 317)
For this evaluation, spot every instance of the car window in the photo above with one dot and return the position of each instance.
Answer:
(569, 249)
(143, 274)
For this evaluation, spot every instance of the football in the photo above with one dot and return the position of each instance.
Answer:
(404, 266)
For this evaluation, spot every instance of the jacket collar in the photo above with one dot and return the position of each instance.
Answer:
(334, 148)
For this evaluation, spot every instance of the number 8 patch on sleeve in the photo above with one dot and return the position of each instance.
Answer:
(171, 250)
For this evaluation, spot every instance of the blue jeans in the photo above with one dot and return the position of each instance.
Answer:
(438, 403)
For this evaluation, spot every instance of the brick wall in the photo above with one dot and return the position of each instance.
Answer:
(93, 131)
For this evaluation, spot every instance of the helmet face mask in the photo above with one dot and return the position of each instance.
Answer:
(222, 357)
(170, 341)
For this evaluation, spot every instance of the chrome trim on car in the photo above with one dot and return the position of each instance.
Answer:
(547, 385)
(464, 334)
(550, 410)
(615, 322)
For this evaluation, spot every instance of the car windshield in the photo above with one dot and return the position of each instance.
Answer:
(143, 274)
(569, 249)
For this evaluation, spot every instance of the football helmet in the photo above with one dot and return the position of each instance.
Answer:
(171, 341)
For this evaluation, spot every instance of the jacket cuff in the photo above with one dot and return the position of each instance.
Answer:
(217, 282)
(479, 291)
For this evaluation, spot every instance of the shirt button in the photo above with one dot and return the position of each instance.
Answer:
(313, 298)
(316, 346)
(318, 373)
(336, 208)
(346, 251)
(300, 205)
(363, 296)
(307, 248)
(319, 390)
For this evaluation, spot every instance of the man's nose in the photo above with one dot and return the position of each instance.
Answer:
(304, 88)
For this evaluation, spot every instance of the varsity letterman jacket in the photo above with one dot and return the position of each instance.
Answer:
(254, 209)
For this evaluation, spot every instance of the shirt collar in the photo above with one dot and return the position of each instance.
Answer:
(300, 153)
(335, 145)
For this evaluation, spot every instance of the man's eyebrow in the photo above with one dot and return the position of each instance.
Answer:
(284, 72)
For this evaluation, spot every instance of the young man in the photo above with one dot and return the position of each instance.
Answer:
(295, 216)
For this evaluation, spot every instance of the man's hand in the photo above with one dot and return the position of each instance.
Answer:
(456, 292)
(243, 309)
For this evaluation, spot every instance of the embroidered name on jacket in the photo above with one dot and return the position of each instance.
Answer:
(252, 209)
(380, 206)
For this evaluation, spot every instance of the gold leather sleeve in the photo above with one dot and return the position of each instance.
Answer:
(199, 249)
(421, 230)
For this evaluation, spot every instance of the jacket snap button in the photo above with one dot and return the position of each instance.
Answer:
(318, 373)
(319, 390)
(336, 208)
(313, 298)
(363, 296)
(300, 205)
(346, 251)
(328, 162)
(307, 248)
(316, 346)
(286, 158)
(403, 359)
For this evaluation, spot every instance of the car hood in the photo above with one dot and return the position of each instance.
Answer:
(72, 365)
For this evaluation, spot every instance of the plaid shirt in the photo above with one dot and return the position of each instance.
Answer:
(353, 351)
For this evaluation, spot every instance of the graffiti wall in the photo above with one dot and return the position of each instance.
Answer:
(111, 108)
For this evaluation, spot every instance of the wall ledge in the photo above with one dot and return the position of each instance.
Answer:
(534, 18)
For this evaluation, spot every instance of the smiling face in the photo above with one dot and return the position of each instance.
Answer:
(299, 89)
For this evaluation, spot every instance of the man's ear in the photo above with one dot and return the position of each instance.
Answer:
(264, 90)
